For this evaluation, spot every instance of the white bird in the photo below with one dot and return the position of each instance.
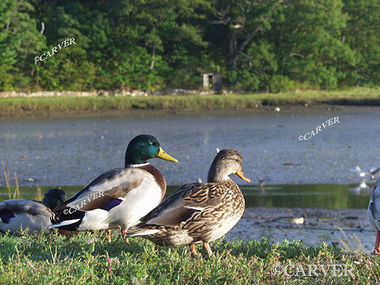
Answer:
(261, 185)
(364, 173)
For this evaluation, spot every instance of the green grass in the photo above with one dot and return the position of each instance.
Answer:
(42, 106)
(50, 258)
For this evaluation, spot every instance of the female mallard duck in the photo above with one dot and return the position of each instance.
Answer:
(120, 197)
(374, 214)
(19, 214)
(199, 212)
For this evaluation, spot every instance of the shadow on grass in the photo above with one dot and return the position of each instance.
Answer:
(47, 246)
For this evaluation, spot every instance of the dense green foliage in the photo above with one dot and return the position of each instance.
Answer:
(257, 45)
(87, 258)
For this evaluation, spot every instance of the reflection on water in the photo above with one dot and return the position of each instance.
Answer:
(326, 196)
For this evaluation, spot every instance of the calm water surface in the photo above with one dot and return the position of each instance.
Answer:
(326, 196)
(74, 151)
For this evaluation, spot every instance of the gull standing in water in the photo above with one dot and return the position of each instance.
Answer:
(363, 180)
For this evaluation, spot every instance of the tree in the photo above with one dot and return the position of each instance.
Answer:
(241, 21)
(308, 42)
(19, 41)
(70, 68)
(7, 47)
(362, 34)
(170, 32)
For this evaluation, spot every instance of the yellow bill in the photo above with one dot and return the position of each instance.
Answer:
(162, 154)
(242, 176)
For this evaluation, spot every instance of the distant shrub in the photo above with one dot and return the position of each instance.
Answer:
(280, 83)
(243, 80)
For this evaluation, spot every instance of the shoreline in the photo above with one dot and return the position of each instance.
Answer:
(348, 229)
(60, 114)
(80, 106)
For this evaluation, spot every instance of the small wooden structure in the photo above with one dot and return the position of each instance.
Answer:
(215, 79)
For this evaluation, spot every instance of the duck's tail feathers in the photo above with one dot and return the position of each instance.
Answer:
(64, 223)
(142, 232)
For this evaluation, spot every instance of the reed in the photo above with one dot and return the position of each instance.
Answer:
(16, 195)
(6, 179)
(38, 194)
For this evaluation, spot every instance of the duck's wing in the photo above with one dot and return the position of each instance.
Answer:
(356, 169)
(18, 214)
(10, 208)
(104, 193)
(181, 205)
(107, 190)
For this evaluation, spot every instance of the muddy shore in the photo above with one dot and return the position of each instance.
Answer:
(346, 228)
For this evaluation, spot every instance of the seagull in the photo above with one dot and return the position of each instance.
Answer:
(261, 185)
(363, 173)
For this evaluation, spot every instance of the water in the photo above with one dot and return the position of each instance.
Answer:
(327, 196)
(333, 214)
(66, 151)
(298, 174)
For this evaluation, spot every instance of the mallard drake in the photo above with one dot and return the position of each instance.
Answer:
(199, 212)
(119, 197)
(19, 214)
(373, 214)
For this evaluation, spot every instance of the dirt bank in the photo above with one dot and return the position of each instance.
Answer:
(348, 228)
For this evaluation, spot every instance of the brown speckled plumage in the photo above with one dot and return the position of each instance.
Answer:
(198, 212)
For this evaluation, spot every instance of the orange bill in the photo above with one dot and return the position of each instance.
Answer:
(242, 176)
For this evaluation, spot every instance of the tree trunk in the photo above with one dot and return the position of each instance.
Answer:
(232, 50)
(153, 55)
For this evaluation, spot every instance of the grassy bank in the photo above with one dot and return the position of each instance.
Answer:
(42, 106)
(51, 258)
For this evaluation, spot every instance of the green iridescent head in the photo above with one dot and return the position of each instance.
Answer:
(54, 198)
(144, 147)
